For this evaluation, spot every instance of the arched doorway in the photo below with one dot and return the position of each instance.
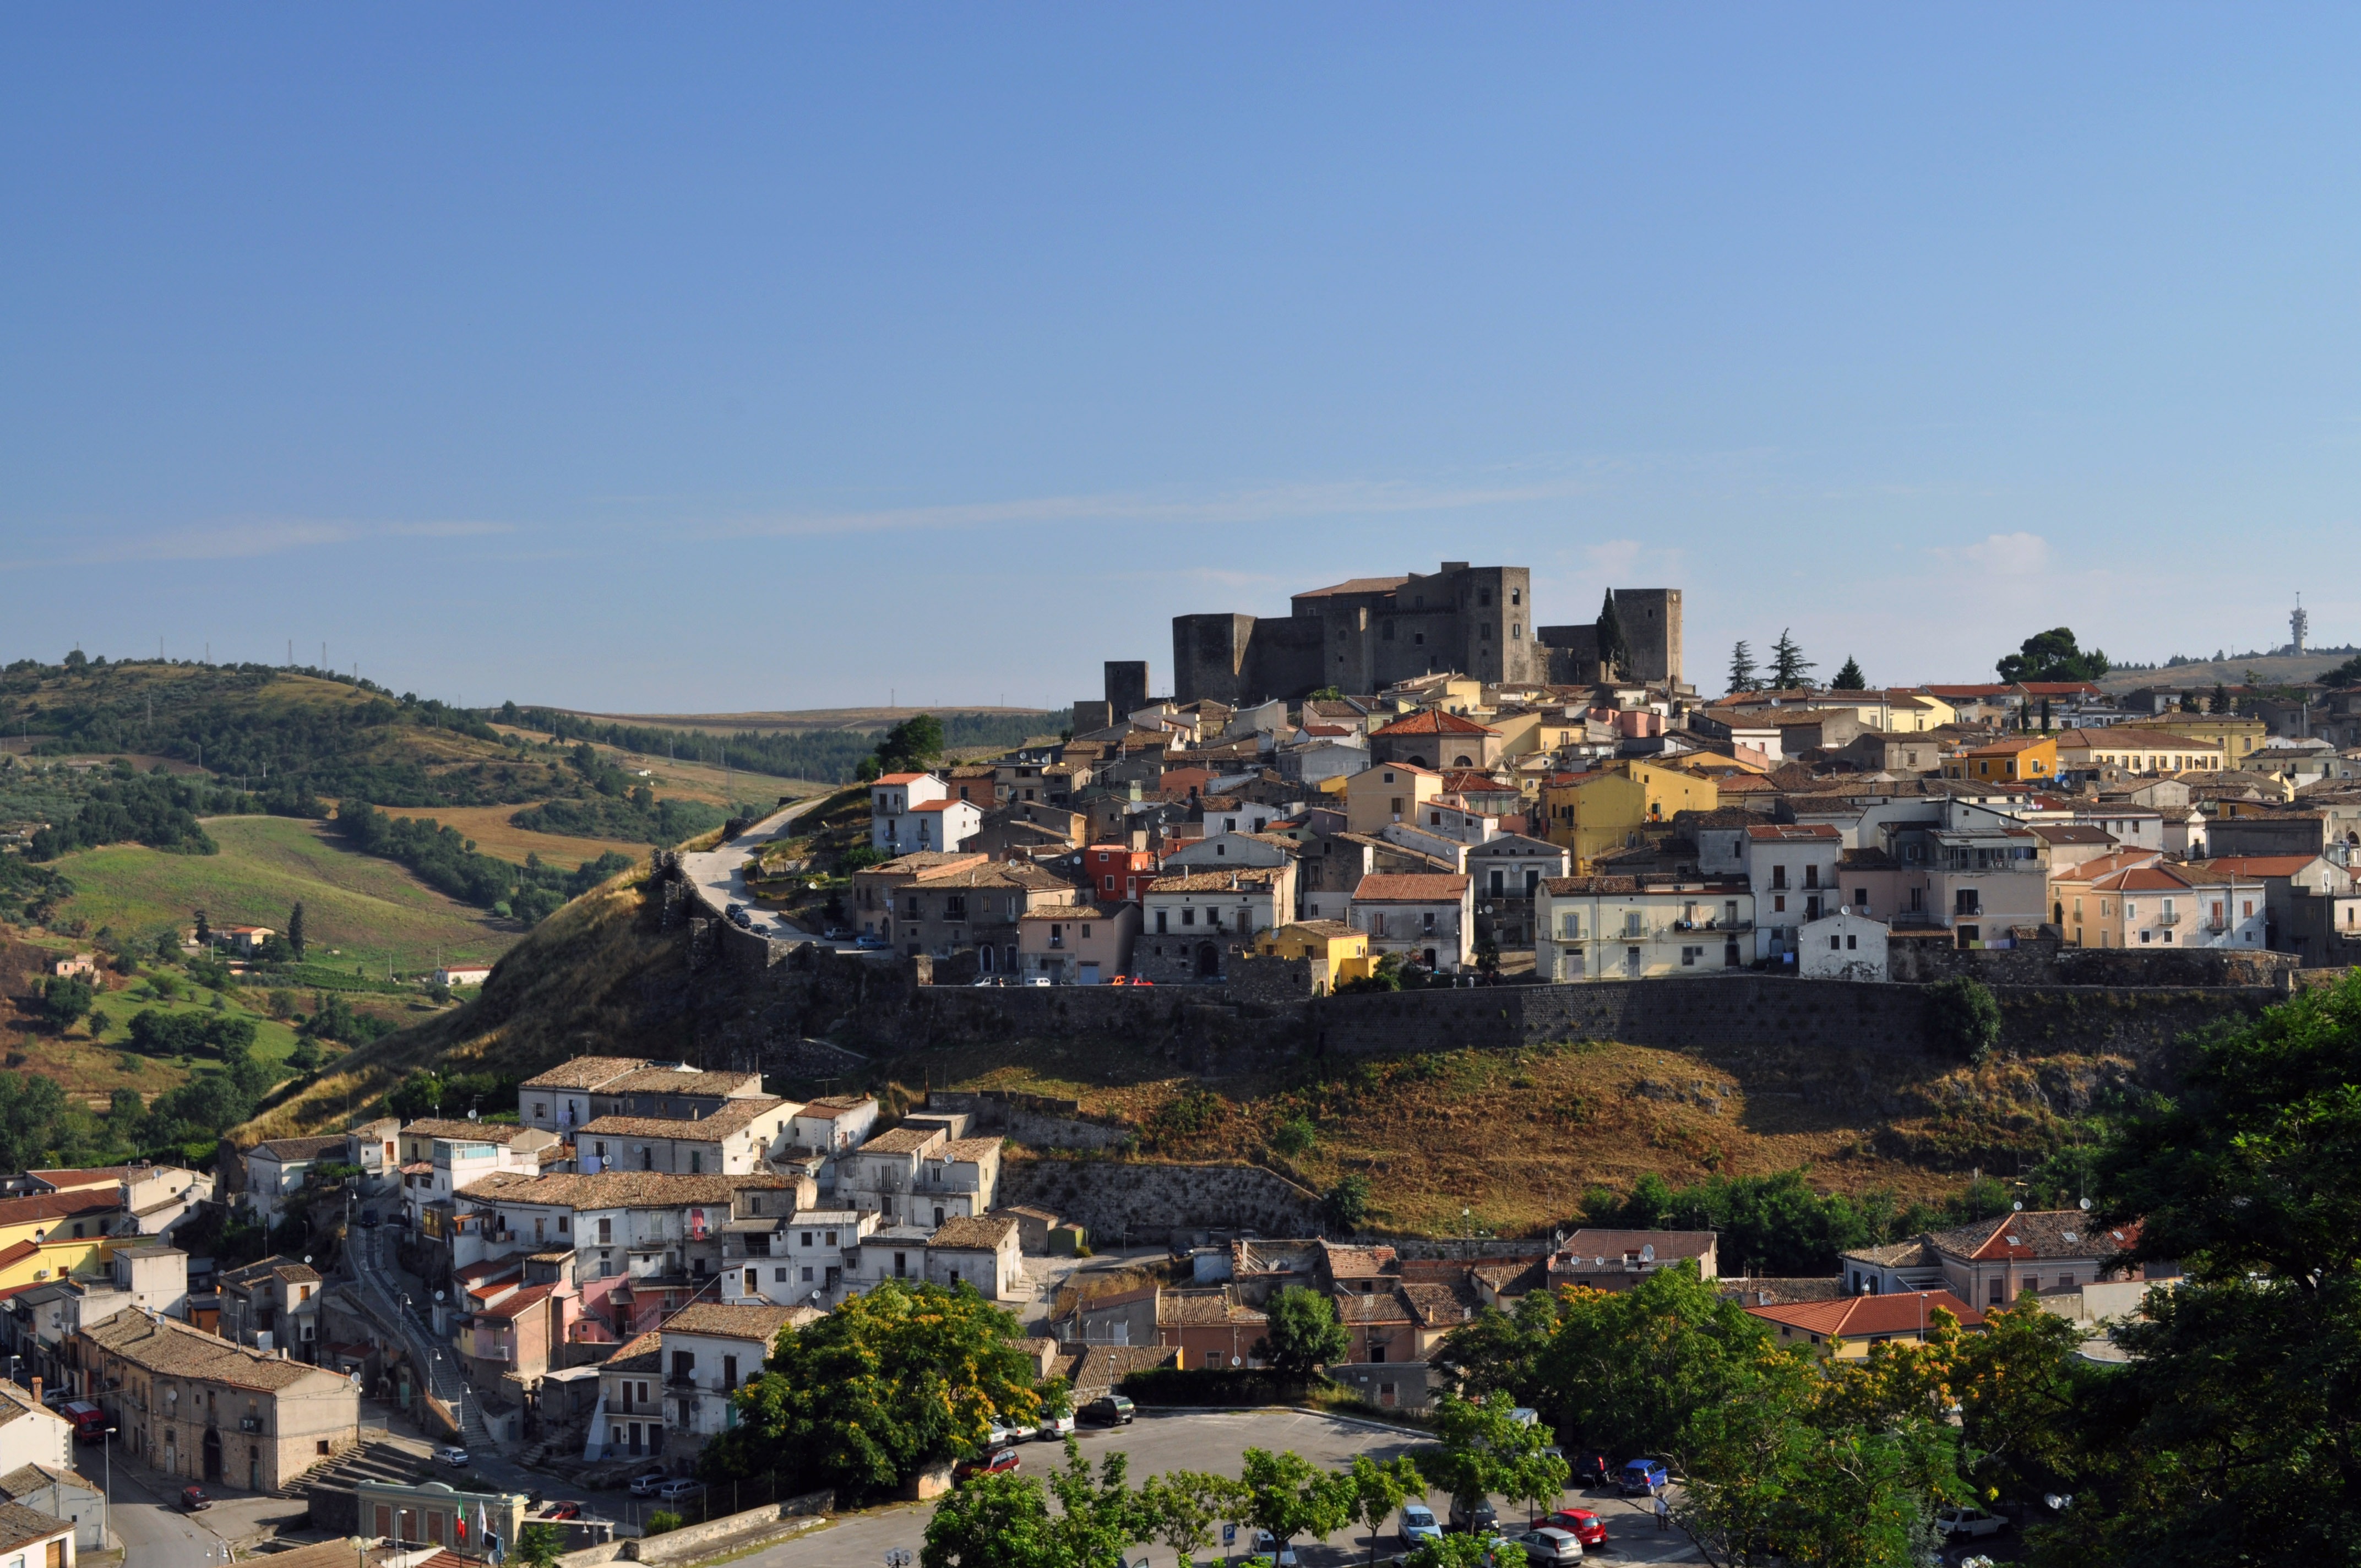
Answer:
(213, 1454)
(254, 1470)
(1209, 962)
(1418, 763)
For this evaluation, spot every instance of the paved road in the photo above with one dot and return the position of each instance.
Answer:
(155, 1532)
(1210, 1441)
(715, 873)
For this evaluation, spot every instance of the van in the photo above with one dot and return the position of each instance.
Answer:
(89, 1421)
(1108, 1410)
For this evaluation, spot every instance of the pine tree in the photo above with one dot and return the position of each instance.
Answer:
(1789, 665)
(296, 928)
(1613, 651)
(1849, 678)
(1742, 667)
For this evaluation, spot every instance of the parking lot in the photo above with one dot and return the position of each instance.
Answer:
(1212, 1441)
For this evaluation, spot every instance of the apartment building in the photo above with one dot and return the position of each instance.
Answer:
(197, 1408)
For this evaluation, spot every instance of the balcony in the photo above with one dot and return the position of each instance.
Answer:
(2168, 917)
(249, 1424)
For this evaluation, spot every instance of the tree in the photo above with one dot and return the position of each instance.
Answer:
(1294, 1137)
(1346, 1204)
(1614, 648)
(2347, 674)
(2052, 655)
(1741, 668)
(1789, 669)
(1965, 1017)
(905, 1376)
(306, 1055)
(204, 930)
(1184, 1508)
(1454, 1551)
(539, 1546)
(1378, 1489)
(1289, 1496)
(1849, 678)
(295, 938)
(1486, 1449)
(915, 743)
(66, 998)
(1498, 1351)
(1305, 1335)
(2229, 1435)
(992, 1521)
(420, 1094)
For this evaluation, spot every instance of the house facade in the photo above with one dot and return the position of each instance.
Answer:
(1423, 918)
(198, 1409)
(1625, 927)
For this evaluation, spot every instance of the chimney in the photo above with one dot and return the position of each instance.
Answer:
(37, 1390)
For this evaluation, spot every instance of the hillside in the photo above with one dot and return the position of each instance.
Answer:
(2260, 670)
(1517, 1140)
(359, 910)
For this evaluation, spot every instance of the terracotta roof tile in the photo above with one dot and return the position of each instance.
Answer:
(1410, 887)
(584, 1072)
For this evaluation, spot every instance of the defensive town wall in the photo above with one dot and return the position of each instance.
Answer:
(759, 998)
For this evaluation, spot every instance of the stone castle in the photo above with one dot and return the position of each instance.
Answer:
(1365, 634)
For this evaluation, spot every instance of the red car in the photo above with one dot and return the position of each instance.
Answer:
(194, 1498)
(567, 1511)
(998, 1462)
(1580, 1523)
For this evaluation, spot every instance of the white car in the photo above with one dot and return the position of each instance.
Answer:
(456, 1458)
(1056, 1428)
(645, 1485)
(1001, 1436)
(1419, 1523)
(1282, 1553)
(680, 1491)
(1969, 1521)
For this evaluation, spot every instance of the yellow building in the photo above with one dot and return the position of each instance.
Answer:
(1343, 950)
(33, 1263)
(1594, 813)
(2235, 736)
(1522, 734)
(1374, 799)
(2021, 758)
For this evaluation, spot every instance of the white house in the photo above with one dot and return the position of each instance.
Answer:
(833, 1122)
(1791, 869)
(276, 1169)
(1427, 917)
(1843, 945)
(733, 1140)
(1224, 850)
(1619, 927)
(710, 1350)
(463, 974)
(558, 1100)
(911, 813)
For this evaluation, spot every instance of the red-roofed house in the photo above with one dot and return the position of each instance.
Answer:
(1436, 740)
(891, 799)
(1847, 1326)
(1426, 918)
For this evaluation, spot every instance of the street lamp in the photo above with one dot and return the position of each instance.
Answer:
(106, 1490)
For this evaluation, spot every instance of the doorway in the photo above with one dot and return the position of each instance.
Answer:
(213, 1454)
(1209, 962)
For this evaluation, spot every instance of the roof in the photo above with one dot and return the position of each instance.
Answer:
(732, 1118)
(970, 1149)
(1379, 1307)
(1614, 1244)
(21, 1526)
(584, 1072)
(983, 1232)
(620, 1189)
(644, 1354)
(1433, 721)
(57, 1205)
(33, 1477)
(176, 1350)
(834, 1105)
(1560, 886)
(902, 1140)
(1067, 913)
(1412, 887)
(2009, 747)
(285, 1150)
(1243, 879)
(1204, 1308)
(681, 1081)
(1356, 585)
(472, 1132)
(2035, 1233)
(2071, 833)
(276, 1267)
(1790, 832)
(2261, 865)
(1855, 1317)
(899, 779)
(941, 806)
(1332, 930)
(733, 1321)
(518, 1303)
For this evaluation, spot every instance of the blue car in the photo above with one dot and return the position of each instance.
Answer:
(1639, 1476)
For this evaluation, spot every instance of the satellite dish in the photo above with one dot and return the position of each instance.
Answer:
(2086, 1203)
(1598, 1263)
(1648, 1254)
(1235, 1361)
(2019, 1207)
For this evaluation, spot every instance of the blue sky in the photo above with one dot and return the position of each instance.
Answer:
(735, 358)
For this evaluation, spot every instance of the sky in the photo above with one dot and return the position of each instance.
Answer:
(729, 357)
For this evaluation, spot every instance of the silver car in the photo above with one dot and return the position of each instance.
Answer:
(1549, 1544)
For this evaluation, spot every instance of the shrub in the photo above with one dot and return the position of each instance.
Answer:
(1294, 1137)
(1963, 1017)
(662, 1522)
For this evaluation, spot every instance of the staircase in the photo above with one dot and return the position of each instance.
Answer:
(376, 1460)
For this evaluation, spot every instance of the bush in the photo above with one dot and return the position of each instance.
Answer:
(1963, 1017)
(662, 1522)
(1295, 1136)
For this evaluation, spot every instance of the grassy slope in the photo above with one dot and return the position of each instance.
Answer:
(569, 988)
(490, 826)
(2229, 672)
(365, 908)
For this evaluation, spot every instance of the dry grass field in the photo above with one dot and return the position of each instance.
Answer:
(490, 826)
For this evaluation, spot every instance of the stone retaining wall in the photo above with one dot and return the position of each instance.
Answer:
(1115, 1200)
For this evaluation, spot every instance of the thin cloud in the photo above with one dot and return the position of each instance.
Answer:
(248, 538)
(1269, 504)
(2002, 554)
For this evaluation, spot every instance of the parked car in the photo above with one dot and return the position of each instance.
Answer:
(1580, 1523)
(645, 1484)
(1639, 1476)
(1108, 1410)
(1282, 1553)
(1054, 1428)
(1590, 1469)
(195, 1500)
(455, 1457)
(368, 1219)
(1969, 1520)
(733, 911)
(869, 941)
(1469, 1520)
(681, 1490)
(1548, 1545)
(1035, 980)
(999, 1461)
(565, 1510)
(1001, 1436)
(1418, 1524)
(837, 934)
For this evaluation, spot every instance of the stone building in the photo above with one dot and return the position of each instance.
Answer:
(196, 1407)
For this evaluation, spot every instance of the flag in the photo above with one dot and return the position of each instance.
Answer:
(480, 1521)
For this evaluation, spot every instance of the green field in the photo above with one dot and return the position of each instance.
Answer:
(358, 910)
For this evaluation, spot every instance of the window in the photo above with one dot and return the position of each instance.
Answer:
(806, 1239)
(1573, 924)
(1516, 596)
(1689, 957)
(1778, 876)
(1852, 943)
(1832, 943)
(1188, 917)
(606, 1232)
(1159, 923)
(1779, 904)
